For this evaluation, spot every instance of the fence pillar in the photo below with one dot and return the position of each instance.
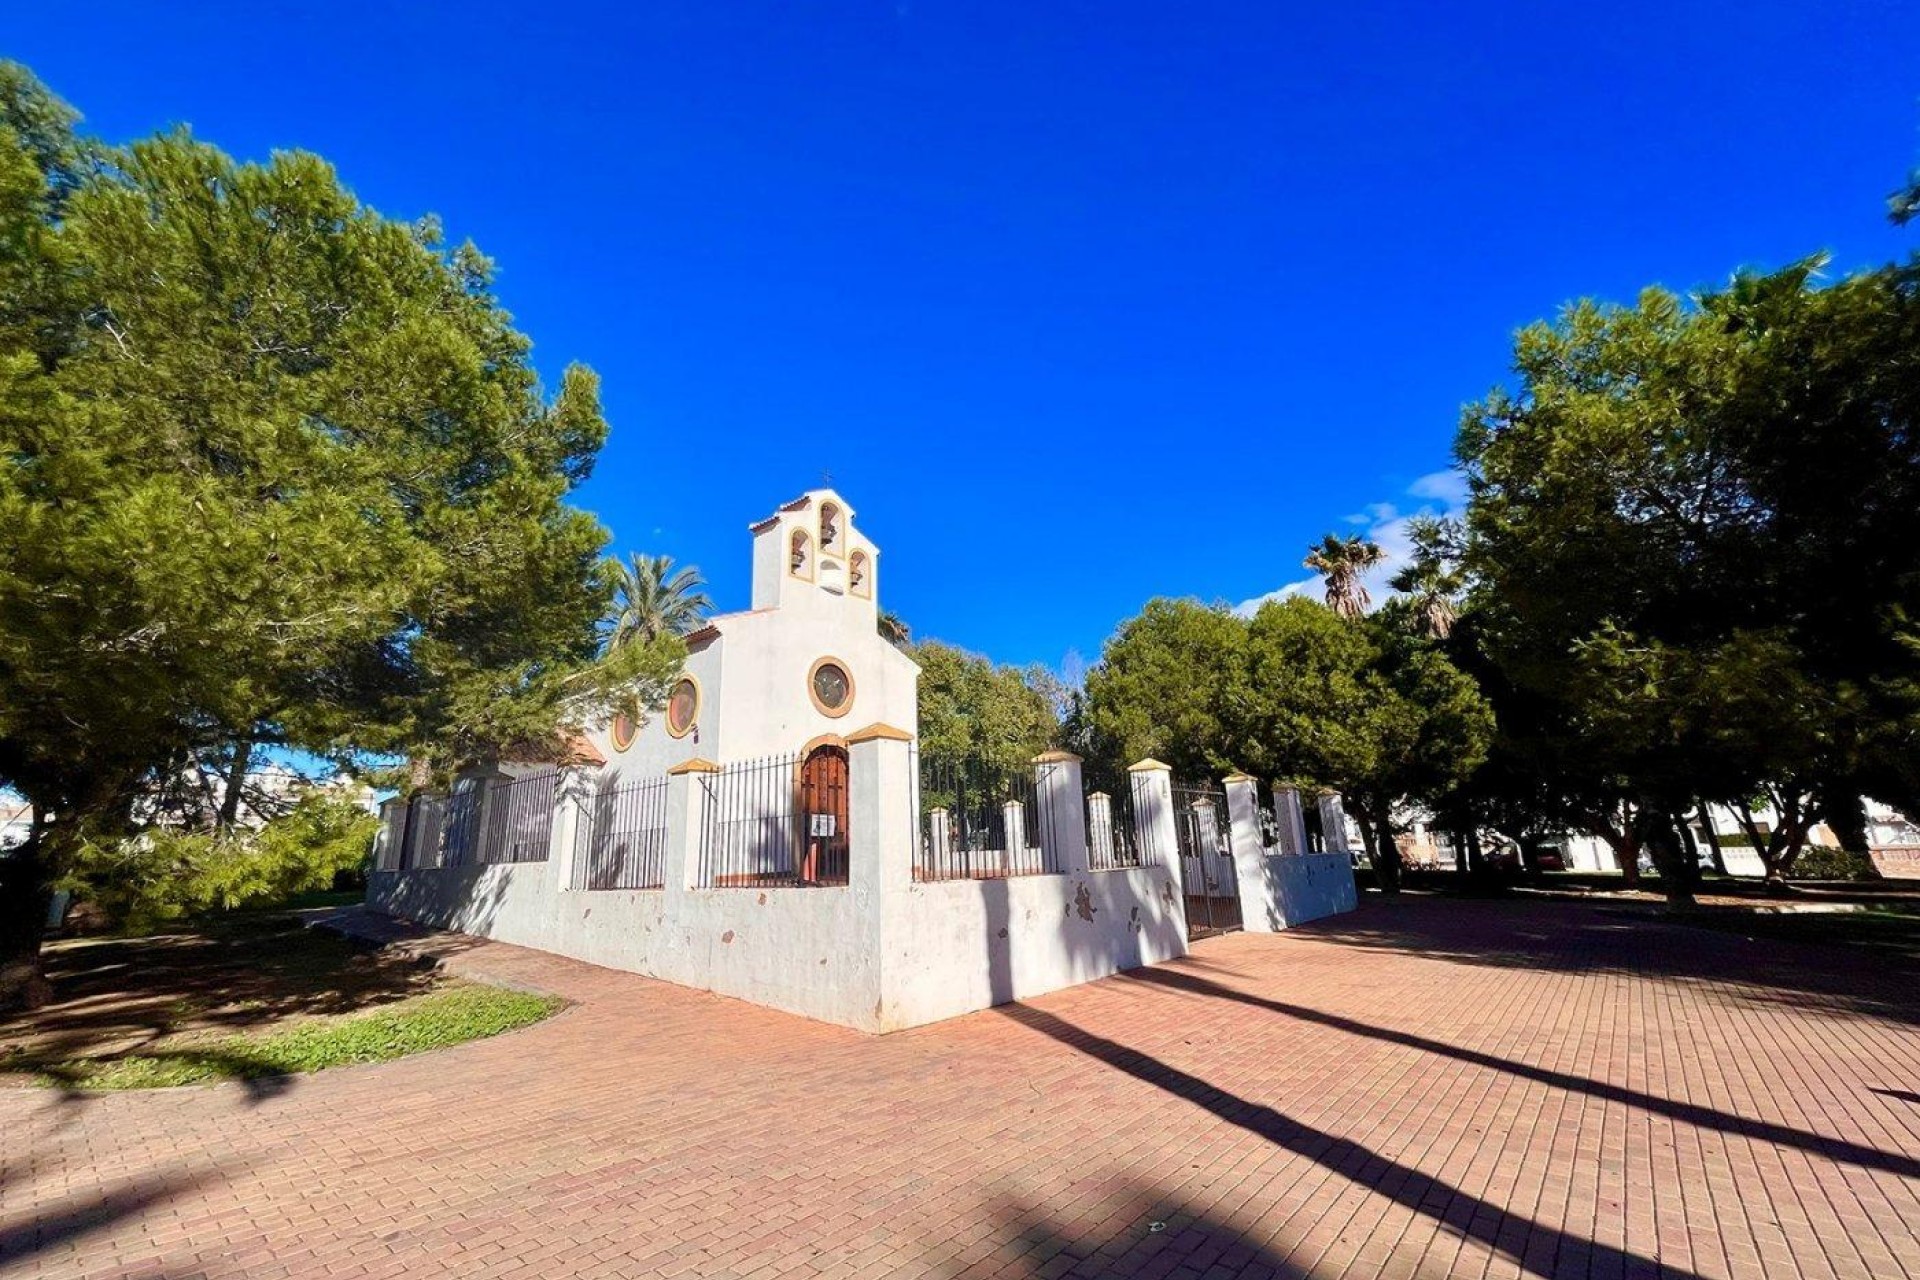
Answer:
(1013, 820)
(881, 819)
(1291, 820)
(940, 838)
(1153, 821)
(1333, 824)
(883, 822)
(687, 784)
(1259, 912)
(1058, 788)
(570, 819)
(1100, 829)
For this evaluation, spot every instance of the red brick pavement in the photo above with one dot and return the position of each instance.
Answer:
(1419, 1089)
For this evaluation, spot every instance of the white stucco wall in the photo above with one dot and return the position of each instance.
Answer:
(785, 948)
(753, 671)
(768, 657)
(961, 945)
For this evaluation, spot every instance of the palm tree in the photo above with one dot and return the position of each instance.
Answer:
(1343, 560)
(1432, 587)
(895, 630)
(652, 599)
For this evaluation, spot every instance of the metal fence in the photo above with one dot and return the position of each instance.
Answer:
(621, 839)
(425, 829)
(431, 830)
(1271, 838)
(392, 846)
(1113, 835)
(981, 822)
(462, 822)
(1200, 820)
(766, 823)
(519, 818)
(1315, 825)
(1204, 837)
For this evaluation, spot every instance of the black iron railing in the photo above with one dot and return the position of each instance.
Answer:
(777, 822)
(620, 841)
(519, 818)
(423, 847)
(1113, 834)
(979, 821)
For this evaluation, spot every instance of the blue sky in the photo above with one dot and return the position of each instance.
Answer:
(1078, 303)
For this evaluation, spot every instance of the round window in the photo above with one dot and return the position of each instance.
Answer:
(831, 687)
(683, 704)
(623, 730)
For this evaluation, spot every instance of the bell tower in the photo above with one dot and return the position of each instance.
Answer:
(808, 553)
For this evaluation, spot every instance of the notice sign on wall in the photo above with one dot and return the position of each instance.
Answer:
(822, 824)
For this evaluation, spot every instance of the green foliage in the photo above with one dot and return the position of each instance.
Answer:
(1171, 685)
(653, 600)
(161, 877)
(1903, 206)
(432, 1021)
(1343, 561)
(274, 469)
(1695, 544)
(1824, 862)
(1365, 706)
(972, 712)
(1369, 707)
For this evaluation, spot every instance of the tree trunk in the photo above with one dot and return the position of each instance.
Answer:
(1847, 817)
(1476, 857)
(1387, 862)
(235, 785)
(1377, 837)
(1677, 872)
(1625, 844)
(1688, 845)
(1529, 846)
(24, 902)
(1793, 807)
(1460, 853)
(1713, 838)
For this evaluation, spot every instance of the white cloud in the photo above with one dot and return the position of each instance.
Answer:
(1440, 493)
(1449, 488)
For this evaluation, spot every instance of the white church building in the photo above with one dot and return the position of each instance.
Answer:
(770, 833)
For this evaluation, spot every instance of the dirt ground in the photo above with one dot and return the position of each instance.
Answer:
(116, 995)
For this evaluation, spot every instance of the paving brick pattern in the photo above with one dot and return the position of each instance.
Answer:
(1425, 1088)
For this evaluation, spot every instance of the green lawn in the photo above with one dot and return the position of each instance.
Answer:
(249, 996)
(423, 1022)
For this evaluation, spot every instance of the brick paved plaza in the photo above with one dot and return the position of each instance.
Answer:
(1420, 1089)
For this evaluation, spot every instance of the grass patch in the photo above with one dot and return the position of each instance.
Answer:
(449, 1016)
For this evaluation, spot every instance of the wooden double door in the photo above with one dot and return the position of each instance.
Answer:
(823, 817)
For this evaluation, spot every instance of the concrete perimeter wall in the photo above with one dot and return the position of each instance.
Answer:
(960, 945)
(888, 950)
(782, 947)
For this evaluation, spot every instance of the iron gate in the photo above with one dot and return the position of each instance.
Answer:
(1206, 860)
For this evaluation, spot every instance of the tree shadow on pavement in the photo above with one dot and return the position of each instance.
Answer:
(1136, 1229)
(1687, 1112)
(41, 1230)
(1535, 1247)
